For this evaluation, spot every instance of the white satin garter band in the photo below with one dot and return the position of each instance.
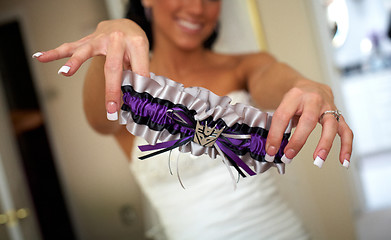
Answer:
(168, 116)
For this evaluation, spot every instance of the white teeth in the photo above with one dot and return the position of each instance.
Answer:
(189, 25)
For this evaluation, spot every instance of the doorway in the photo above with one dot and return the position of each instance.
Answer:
(31, 136)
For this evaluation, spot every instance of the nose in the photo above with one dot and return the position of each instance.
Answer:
(195, 7)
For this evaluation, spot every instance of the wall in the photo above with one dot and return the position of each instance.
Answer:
(322, 197)
(93, 170)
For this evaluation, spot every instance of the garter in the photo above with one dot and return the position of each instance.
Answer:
(168, 116)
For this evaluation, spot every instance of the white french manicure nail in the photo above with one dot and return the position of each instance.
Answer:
(318, 162)
(346, 163)
(37, 55)
(269, 158)
(286, 160)
(64, 69)
(112, 116)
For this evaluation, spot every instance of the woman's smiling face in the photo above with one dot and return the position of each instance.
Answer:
(185, 23)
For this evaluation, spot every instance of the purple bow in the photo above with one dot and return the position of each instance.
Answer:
(226, 143)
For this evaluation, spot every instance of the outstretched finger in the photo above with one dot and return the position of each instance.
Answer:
(113, 74)
(307, 123)
(82, 54)
(280, 122)
(139, 55)
(63, 51)
(346, 135)
(329, 131)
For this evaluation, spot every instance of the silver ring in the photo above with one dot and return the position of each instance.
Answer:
(336, 113)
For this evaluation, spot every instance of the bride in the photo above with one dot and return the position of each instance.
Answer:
(173, 38)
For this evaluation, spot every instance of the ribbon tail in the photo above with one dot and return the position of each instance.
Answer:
(177, 172)
(157, 146)
(169, 162)
(167, 146)
(235, 158)
(227, 165)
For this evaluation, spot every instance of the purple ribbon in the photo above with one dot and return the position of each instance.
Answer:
(179, 116)
(235, 158)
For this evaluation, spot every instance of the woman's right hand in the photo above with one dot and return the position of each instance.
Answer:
(125, 46)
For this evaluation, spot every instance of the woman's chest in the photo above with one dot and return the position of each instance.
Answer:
(218, 81)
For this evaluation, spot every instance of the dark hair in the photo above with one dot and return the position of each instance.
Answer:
(136, 13)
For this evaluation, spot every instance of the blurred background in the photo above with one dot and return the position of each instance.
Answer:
(61, 180)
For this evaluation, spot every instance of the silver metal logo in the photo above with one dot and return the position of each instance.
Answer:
(206, 136)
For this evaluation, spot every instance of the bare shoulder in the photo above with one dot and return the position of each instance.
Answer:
(245, 66)
(244, 62)
(253, 62)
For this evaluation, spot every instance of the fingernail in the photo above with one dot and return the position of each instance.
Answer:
(64, 69)
(286, 160)
(112, 116)
(111, 107)
(112, 112)
(346, 164)
(269, 158)
(323, 154)
(288, 156)
(318, 162)
(37, 55)
(270, 153)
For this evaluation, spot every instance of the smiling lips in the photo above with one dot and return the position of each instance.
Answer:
(189, 25)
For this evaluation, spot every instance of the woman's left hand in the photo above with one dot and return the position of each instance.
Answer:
(306, 103)
(275, 85)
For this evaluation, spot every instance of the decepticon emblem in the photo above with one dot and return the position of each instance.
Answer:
(206, 136)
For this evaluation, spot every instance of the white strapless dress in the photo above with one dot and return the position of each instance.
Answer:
(209, 207)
